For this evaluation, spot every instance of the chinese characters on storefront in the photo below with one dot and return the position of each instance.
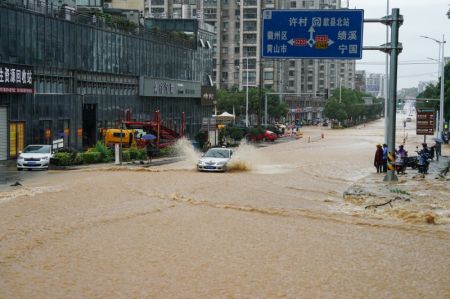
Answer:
(16, 79)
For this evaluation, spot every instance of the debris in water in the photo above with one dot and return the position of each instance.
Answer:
(17, 183)
(389, 202)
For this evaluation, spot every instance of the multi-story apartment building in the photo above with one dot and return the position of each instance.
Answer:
(237, 62)
(375, 84)
(360, 81)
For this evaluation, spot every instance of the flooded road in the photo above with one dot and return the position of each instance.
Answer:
(275, 226)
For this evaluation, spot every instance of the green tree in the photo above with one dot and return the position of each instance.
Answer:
(348, 104)
(335, 110)
(433, 92)
(227, 99)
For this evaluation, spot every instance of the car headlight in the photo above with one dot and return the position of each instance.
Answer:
(221, 163)
(20, 157)
(44, 158)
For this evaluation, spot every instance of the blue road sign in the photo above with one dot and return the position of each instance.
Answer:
(333, 33)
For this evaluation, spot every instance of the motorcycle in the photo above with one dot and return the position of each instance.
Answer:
(445, 137)
(400, 165)
(412, 162)
(424, 161)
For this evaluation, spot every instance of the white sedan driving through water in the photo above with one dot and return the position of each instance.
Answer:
(215, 159)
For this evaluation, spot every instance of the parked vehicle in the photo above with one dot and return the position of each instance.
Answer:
(412, 162)
(35, 156)
(215, 159)
(113, 136)
(270, 136)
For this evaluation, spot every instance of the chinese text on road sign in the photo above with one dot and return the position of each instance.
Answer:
(336, 34)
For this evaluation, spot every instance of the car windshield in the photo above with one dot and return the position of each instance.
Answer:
(217, 153)
(37, 149)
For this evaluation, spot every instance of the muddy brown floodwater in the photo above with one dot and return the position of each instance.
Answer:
(275, 226)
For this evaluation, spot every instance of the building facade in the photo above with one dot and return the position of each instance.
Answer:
(66, 78)
(360, 81)
(375, 84)
(237, 62)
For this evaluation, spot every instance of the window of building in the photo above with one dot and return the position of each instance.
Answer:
(291, 73)
(224, 50)
(268, 75)
(250, 13)
(250, 26)
(293, 4)
(224, 76)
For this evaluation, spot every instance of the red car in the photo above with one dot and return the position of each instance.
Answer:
(270, 136)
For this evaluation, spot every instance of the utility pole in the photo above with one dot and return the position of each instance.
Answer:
(441, 64)
(441, 110)
(397, 20)
(394, 48)
(386, 79)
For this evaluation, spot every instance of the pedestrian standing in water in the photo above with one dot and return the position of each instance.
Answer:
(438, 148)
(151, 150)
(385, 157)
(378, 161)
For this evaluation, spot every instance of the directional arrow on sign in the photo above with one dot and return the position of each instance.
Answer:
(291, 41)
(311, 40)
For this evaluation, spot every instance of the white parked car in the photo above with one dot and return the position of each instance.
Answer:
(215, 159)
(35, 156)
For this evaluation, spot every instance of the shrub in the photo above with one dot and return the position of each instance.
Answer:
(106, 153)
(78, 160)
(62, 159)
(166, 151)
(126, 155)
(142, 154)
(91, 157)
(237, 134)
(134, 153)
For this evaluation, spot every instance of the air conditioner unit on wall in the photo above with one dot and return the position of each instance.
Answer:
(107, 5)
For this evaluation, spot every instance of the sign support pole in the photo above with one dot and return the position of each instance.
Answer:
(390, 129)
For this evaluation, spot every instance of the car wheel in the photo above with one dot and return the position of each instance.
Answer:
(19, 169)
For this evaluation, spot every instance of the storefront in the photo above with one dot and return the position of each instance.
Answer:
(16, 81)
(57, 90)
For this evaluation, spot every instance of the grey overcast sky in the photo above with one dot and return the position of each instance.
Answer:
(421, 17)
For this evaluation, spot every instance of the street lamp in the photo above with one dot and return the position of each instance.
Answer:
(441, 64)
(340, 90)
(246, 99)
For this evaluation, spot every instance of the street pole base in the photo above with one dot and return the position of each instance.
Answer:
(390, 176)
